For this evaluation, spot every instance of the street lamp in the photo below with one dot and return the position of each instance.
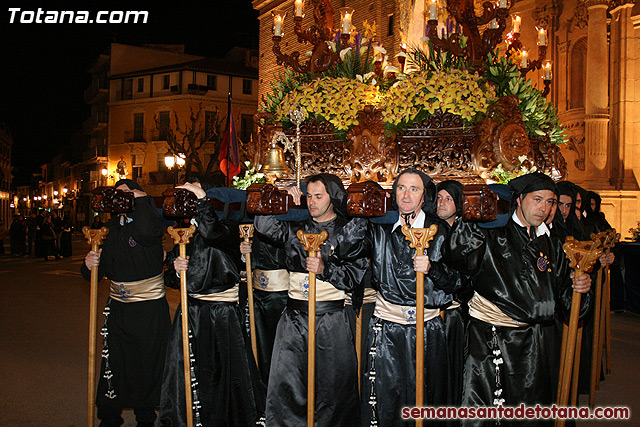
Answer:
(169, 160)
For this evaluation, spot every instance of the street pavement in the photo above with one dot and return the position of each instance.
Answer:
(44, 316)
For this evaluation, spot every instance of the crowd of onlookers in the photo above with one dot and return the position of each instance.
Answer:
(43, 235)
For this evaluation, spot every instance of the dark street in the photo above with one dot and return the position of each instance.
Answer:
(43, 346)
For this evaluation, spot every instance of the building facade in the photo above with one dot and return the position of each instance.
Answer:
(7, 201)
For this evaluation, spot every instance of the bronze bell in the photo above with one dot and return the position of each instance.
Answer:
(274, 162)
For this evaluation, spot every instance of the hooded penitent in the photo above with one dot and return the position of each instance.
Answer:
(454, 188)
(336, 191)
(429, 201)
(528, 183)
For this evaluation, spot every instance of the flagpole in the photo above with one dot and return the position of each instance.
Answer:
(228, 136)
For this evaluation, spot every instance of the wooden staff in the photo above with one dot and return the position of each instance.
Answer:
(311, 243)
(181, 237)
(615, 238)
(419, 239)
(95, 238)
(359, 343)
(246, 233)
(582, 256)
(596, 348)
(576, 364)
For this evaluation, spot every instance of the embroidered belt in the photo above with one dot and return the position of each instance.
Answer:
(230, 295)
(271, 280)
(325, 291)
(482, 309)
(140, 290)
(370, 296)
(402, 314)
(322, 307)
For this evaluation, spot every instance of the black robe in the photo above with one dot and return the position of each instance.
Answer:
(528, 280)
(336, 388)
(268, 305)
(228, 386)
(394, 364)
(137, 332)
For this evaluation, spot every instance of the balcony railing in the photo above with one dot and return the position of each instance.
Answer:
(94, 153)
(136, 136)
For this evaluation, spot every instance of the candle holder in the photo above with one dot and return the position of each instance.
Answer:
(322, 56)
(478, 44)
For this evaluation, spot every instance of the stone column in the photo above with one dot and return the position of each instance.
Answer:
(597, 94)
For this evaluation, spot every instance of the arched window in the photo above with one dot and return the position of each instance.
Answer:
(578, 74)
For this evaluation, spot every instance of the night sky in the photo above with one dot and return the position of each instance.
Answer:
(43, 66)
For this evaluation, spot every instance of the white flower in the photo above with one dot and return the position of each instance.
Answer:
(364, 41)
(260, 175)
(403, 54)
(332, 45)
(522, 158)
(247, 163)
(369, 75)
(380, 50)
(498, 361)
(424, 39)
(391, 69)
(308, 53)
(344, 53)
(359, 78)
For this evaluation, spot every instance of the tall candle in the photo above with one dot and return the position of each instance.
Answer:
(299, 6)
(277, 25)
(542, 37)
(516, 24)
(502, 4)
(546, 71)
(346, 22)
(494, 24)
(525, 59)
(433, 10)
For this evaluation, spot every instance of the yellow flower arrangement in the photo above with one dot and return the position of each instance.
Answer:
(455, 91)
(337, 100)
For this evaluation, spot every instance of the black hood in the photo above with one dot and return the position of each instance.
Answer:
(336, 191)
(586, 202)
(529, 183)
(429, 202)
(454, 188)
(129, 183)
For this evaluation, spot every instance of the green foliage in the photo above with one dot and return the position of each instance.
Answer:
(284, 83)
(432, 60)
(540, 117)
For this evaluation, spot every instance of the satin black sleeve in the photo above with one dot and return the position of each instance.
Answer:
(345, 267)
(147, 226)
(170, 278)
(274, 229)
(465, 247)
(444, 277)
